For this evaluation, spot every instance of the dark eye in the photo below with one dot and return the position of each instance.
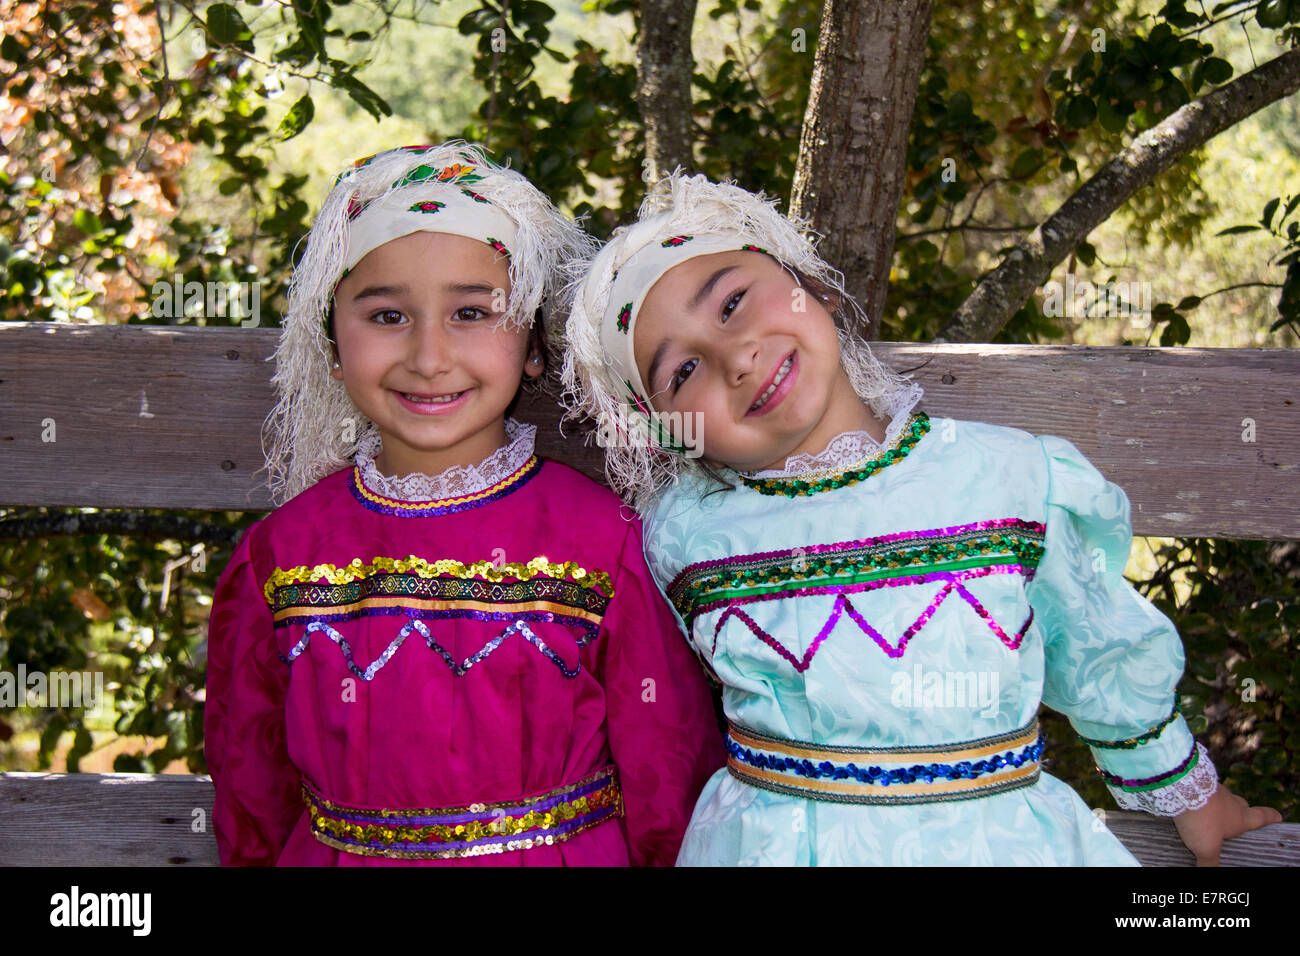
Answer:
(383, 314)
(470, 313)
(681, 374)
(732, 304)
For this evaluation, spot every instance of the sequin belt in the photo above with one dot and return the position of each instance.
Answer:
(474, 830)
(883, 775)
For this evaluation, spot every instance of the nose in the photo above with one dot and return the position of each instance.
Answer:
(739, 359)
(429, 352)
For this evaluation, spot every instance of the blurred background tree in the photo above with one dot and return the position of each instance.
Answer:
(141, 141)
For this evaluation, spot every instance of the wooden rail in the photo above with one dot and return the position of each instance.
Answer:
(1205, 441)
(127, 819)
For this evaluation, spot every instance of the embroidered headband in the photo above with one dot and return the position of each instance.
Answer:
(428, 199)
(682, 217)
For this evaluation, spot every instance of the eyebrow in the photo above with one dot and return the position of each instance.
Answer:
(708, 286)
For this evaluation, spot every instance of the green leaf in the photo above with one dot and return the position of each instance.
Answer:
(1026, 163)
(1080, 112)
(296, 120)
(231, 185)
(1236, 230)
(1177, 332)
(1086, 253)
(1272, 14)
(87, 222)
(1189, 302)
(1111, 121)
(227, 26)
(1217, 70)
(1269, 208)
(362, 95)
(12, 50)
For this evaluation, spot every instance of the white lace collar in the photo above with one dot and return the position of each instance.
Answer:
(458, 480)
(848, 448)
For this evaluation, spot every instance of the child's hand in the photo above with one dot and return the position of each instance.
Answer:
(1225, 816)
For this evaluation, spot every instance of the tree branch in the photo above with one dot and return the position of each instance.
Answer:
(663, 91)
(848, 181)
(1002, 291)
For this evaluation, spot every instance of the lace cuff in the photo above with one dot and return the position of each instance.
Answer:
(1191, 791)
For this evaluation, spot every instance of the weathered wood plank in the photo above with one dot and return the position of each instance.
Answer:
(122, 819)
(106, 819)
(170, 418)
(1155, 842)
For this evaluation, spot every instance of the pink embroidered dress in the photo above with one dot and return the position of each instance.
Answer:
(473, 668)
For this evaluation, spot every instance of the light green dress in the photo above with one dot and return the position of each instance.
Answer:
(1015, 546)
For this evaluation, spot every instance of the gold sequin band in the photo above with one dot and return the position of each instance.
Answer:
(474, 830)
(881, 776)
(358, 570)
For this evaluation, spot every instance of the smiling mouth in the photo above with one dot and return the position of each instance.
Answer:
(431, 399)
(781, 373)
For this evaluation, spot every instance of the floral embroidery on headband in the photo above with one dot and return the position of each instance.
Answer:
(752, 248)
(367, 160)
(496, 244)
(430, 205)
(455, 173)
(474, 196)
(624, 317)
(676, 241)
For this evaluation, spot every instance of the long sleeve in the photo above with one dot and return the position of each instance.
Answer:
(258, 796)
(1113, 661)
(662, 730)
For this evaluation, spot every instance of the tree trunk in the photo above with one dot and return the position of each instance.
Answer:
(849, 177)
(1005, 289)
(664, 70)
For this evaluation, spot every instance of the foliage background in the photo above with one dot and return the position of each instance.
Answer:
(120, 167)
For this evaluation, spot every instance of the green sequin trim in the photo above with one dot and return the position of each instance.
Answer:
(918, 425)
(948, 552)
(1133, 742)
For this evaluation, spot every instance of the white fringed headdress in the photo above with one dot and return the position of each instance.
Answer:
(683, 217)
(315, 428)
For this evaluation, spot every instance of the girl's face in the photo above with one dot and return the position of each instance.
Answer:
(734, 338)
(420, 351)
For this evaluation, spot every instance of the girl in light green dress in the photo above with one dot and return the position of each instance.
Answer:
(886, 598)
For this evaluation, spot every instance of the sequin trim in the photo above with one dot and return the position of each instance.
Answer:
(356, 570)
(432, 509)
(952, 582)
(1152, 783)
(707, 585)
(427, 597)
(914, 774)
(368, 673)
(918, 425)
(1133, 743)
(475, 830)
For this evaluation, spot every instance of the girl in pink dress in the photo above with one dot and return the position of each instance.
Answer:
(469, 663)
